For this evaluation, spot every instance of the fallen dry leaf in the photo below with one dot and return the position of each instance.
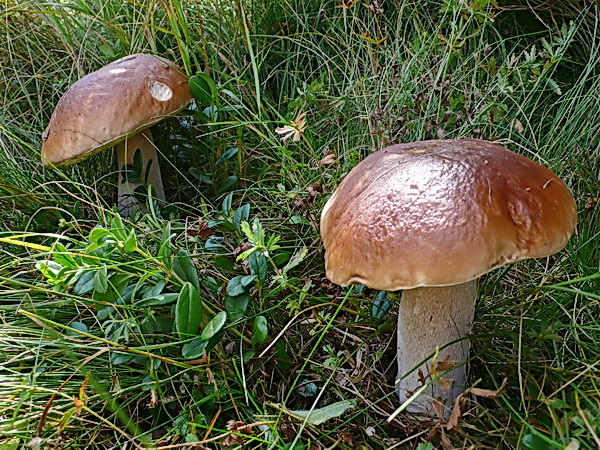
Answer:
(445, 441)
(445, 365)
(484, 392)
(153, 398)
(329, 159)
(78, 405)
(236, 426)
(294, 129)
(456, 413)
(203, 231)
(202, 360)
(517, 125)
(346, 4)
(591, 202)
(438, 409)
(573, 445)
(445, 383)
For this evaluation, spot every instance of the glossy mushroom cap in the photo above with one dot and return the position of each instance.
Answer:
(438, 213)
(106, 106)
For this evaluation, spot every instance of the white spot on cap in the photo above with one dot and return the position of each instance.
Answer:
(160, 91)
(121, 70)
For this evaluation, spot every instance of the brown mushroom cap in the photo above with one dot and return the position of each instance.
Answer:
(106, 106)
(438, 213)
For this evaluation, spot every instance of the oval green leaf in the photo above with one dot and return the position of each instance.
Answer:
(203, 88)
(188, 311)
(260, 330)
(214, 326)
(184, 267)
(194, 349)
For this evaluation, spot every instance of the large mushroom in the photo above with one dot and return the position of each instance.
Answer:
(112, 107)
(430, 218)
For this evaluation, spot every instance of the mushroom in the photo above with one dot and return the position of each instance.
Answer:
(112, 107)
(430, 218)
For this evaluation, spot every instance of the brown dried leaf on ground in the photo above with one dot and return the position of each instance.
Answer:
(456, 413)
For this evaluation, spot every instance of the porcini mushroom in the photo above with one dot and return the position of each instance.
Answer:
(430, 218)
(112, 107)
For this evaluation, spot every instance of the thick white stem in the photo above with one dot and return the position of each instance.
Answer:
(430, 318)
(125, 155)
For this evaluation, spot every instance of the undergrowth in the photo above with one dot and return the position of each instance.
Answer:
(208, 321)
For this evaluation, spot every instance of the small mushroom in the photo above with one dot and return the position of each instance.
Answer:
(430, 218)
(112, 107)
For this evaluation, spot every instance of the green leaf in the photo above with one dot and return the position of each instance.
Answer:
(201, 175)
(555, 86)
(425, 446)
(188, 311)
(105, 313)
(212, 112)
(241, 214)
(320, 415)
(258, 266)
(10, 444)
(247, 280)
(533, 442)
(282, 357)
(118, 358)
(203, 88)
(296, 259)
(117, 227)
(226, 205)
(381, 305)
(117, 284)
(239, 285)
(228, 184)
(65, 419)
(225, 263)
(215, 244)
(194, 349)
(201, 117)
(62, 256)
(294, 446)
(212, 285)
(184, 267)
(101, 280)
(260, 330)
(154, 290)
(148, 383)
(296, 219)
(85, 283)
(53, 271)
(130, 243)
(77, 326)
(258, 232)
(227, 154)
(166, 248)
(157, 300)
(102, 236)
(247, 230)
(214, 326)
(242, 256)
(236, 306)
(272, 242)
(281, 258)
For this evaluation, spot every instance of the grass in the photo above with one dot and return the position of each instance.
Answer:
(94, 357)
